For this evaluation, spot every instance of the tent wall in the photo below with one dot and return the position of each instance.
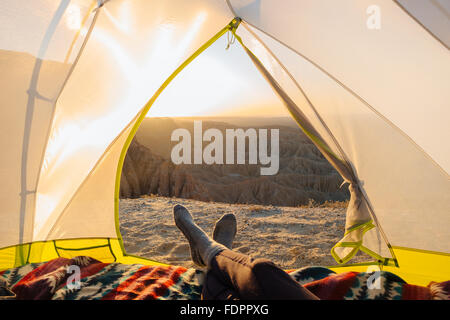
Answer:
(397, 69)
(433, 15)
(417, 267)
(375, 101)
(124, 72)
(84, 216)
(382, 94)
(401, 182)
(360, 218)
(38, 49)
(70, 137)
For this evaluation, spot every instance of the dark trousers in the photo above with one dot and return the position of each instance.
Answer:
(233, 275)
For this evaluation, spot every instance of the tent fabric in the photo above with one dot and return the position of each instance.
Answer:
(84, 125)
(318, 75)
(353, 133)
(79, 75)
(37, 52)
(401, 47)
(358, 212)
(433, 15)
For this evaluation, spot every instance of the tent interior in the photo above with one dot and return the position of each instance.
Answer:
(81, 76)
(228, 94)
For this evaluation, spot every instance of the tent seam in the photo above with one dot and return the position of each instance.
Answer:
(420, 23)
(230, 26)
(56, 101)
(85, 18)
(231, 8)
(98, 163)
(67, 239)
(341, 151)
(29, 112)
(395, 127)
(348, 165)
(91, 172)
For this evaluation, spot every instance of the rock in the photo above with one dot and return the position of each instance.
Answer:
(304, 173)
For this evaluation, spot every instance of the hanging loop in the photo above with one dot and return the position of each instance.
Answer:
(230, 39)
(231, 30)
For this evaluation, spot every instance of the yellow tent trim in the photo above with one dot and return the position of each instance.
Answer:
(103, 249)
(231, 26)
(106, 250)
(418, 267)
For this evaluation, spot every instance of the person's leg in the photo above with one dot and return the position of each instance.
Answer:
(202, 247)
(236, 273)
(225, 230)
(213, 288)
(254, 279)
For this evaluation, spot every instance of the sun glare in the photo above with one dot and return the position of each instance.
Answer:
(219, 82)
(73, 20)
(124, 20)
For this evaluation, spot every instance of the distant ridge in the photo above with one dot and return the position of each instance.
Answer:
(304, 174)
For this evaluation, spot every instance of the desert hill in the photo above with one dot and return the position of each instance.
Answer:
(303, 173)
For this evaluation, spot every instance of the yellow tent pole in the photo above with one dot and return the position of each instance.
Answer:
(230, 27)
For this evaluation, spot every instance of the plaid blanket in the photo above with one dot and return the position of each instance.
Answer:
(86, 278)
(382, 285)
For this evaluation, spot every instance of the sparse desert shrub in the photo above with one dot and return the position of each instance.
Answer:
(327, 204)
(256, 208)
(335, 204)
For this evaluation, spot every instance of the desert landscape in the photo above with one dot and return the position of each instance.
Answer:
(293, 217)
(303, 174)
(293, 237)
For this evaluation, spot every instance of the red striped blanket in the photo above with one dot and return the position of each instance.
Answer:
(86, 278)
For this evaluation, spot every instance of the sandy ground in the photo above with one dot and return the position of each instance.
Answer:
(292, 237)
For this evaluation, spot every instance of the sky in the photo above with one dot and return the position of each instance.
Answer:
(220, 82)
